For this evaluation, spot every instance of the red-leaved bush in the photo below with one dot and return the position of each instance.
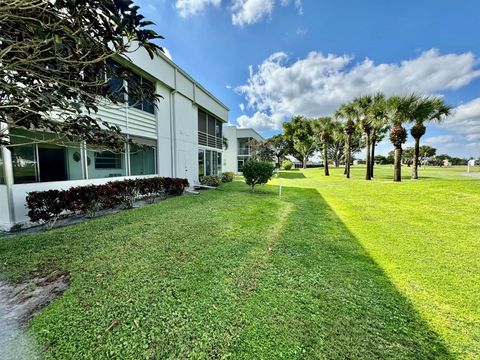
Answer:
(47, 206)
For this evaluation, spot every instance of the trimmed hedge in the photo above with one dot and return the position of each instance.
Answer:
(228, 176)
(47, 206)
(211, 180)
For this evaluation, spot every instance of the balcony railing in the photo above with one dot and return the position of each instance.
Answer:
(244, 151)
(209, 140)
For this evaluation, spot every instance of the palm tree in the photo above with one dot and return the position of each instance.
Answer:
(323, 126)
(424, 110)
(379, 125)
(347, 112)
(363, 108)
(399, 111)
(337, 143)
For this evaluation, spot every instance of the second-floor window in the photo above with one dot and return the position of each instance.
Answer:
(209, 130)
(138, 83)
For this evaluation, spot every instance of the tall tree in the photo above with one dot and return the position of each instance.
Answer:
(379, 126)
(337, 143)
(363, 112)
(279, 146)
(399, 111)
(300, 137)
(56, 63)
(424, 110)
(346, 112)
(323, 128)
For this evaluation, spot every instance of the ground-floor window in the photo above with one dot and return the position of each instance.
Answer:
(35, 158)
(102, 163)
(209, 162)
(240, 161)
(40, 157)
(142, 160)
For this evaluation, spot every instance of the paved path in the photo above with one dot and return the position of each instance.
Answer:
(474, 175)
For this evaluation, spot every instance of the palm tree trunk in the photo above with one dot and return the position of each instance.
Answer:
(372, 157)
(415, 158)
(397, 167)
(348, 156)
(368, 176)
(325, 160)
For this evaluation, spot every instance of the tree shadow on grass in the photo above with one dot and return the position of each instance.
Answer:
(321, 295)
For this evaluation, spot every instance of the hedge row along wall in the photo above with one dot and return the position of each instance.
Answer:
(47, 206)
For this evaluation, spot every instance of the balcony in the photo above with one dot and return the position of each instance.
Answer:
(243, 151)
(209, 140)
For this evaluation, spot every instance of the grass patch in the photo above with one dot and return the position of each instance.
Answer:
(333, 269)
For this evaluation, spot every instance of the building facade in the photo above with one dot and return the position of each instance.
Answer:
(238, 150)
(180, 137)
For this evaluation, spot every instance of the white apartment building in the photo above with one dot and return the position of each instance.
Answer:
(182, 138)
(238, 150)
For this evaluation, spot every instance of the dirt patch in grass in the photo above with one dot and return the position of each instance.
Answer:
(19, 302)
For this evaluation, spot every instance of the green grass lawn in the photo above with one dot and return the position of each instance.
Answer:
(335, 268)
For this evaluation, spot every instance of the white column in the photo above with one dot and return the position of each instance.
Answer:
(8, 172)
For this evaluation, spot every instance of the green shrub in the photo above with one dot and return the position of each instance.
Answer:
(228, 177)
(287, 165)
(257, 172)
(211, 180)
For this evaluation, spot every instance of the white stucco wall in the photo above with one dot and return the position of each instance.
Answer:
(186, 138)
(5, 222)
(230, 154)
(232, 133)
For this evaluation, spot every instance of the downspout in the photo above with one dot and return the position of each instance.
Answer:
(173, 145)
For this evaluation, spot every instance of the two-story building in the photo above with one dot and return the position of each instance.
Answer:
(239, 149)
(181, 137)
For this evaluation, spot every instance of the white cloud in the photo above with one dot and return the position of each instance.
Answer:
(319, 84)
(167, 53)
(246, 12)
(301, 32)
(465, 120)
(192, 7)
(296, 3)
(242, 107)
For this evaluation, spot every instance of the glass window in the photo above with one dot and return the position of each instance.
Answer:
(240, 165)
(202, 121)
(103, 164)
(24, 161)
(108, 160)
(214, 162)
(219, 163)
(208, 162)
(116, 84)
(2, 169)
(201, 162)
(52, 163)
(211, 125)
(218, 129)
(142, 160)
(138, 82)
(42, 157)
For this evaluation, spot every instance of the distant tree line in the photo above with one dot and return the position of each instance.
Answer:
(361, 124)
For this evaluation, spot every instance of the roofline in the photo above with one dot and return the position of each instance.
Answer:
(195, 82)
(255, 131)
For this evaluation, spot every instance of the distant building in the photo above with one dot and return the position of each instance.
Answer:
(238, 150)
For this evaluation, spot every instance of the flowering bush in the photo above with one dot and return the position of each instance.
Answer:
(47, 206)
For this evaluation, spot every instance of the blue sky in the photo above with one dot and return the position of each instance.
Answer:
(270, 59)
